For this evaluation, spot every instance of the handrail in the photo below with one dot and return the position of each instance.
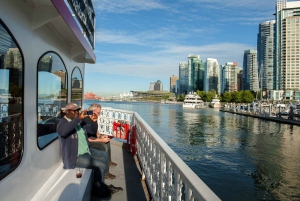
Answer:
(167, 176)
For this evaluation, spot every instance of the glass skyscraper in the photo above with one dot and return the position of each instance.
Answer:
(250, 74)
(183, 77)
(212, 75)
(265, 54)
(195, 73)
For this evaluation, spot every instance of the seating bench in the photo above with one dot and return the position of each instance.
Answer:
(63, 185)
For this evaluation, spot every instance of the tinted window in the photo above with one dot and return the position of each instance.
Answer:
(11, 102)
(76, 92)
(52, 96)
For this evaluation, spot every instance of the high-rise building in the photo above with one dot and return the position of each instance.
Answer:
(240, 80)
(158, 86)
(229, 77)
(250, 74)
(183, 78)
(173, 80)
(151, 88)
(265, 54)
(212, 76)
(195, 73)
(287, 54)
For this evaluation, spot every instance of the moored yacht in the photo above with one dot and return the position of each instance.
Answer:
(192, 100)
(44, 46)
(215, 103)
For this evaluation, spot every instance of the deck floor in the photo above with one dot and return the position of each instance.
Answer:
(127, 174)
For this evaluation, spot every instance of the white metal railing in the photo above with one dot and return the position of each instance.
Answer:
(167, 176)
(108, 116)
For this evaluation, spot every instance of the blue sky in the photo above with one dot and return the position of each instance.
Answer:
(142, 41)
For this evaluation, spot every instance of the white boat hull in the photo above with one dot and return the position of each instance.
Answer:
(214, 105)
(187, 105)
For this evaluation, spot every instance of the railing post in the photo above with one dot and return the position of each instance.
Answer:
(178, 187)
(188, 192)
(161, 176)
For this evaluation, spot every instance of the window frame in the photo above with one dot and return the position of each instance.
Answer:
(37, 98)
(22, 110)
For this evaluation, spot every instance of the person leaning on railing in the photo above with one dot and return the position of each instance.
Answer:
(97, 141)
(76, 152)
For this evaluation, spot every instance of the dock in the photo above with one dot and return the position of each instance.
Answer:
(128, 175)
(295, 121)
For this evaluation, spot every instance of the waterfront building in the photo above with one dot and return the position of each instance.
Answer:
(183, 77)
(173, 80)
(128, 95)
(177, 86)
(229, 77)
(151, 88)
(91, 96)
(250, 71)
(297, 95)
(195, 73)
(158, 86)
(212, 75)
(265, 54)
(287, 54)
(276, 95)
(240, 80)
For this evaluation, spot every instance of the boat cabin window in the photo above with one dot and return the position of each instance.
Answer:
(76, 90)
(11, 102)
(52, 97)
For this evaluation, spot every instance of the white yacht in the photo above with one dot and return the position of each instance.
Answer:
(192, 100)
(215, 103)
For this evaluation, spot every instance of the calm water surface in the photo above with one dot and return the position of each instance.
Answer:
(238, 157)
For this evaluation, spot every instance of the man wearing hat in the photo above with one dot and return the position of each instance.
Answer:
(76, 152)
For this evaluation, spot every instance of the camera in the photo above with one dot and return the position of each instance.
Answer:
(90, 112)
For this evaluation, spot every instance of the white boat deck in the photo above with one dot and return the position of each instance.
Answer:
(127, 174)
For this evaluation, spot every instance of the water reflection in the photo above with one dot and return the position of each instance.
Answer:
(238, 157)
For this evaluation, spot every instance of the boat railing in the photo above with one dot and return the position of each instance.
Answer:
(166, 175)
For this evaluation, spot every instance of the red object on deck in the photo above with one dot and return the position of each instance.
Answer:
(133, 140)
(121, 130)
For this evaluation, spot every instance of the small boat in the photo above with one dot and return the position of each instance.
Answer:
(215, 103)
(192, 100)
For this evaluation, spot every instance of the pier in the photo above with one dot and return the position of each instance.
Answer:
(265, 112)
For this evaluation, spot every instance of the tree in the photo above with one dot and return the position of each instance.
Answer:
(226, 97)
(236, 96)
(181, 97)
(210, 95)
(247, 96)
(202, 94)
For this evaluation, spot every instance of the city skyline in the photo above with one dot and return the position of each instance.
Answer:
(141, 42)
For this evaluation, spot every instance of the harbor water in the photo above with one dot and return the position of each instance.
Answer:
(238, 157)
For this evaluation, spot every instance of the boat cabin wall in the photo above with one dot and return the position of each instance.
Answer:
(35, 38)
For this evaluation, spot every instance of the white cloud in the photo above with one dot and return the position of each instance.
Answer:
(126, 6)
(117, 37)
(165, 62)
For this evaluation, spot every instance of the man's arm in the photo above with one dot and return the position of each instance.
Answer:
(102, 139)
(65, 127)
